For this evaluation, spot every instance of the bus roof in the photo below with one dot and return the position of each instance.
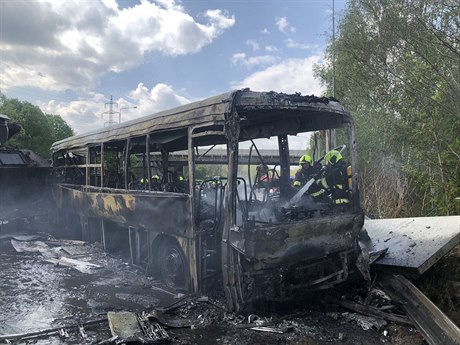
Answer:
(253, 108)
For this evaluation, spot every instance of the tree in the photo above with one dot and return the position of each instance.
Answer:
(39, 130)
(397, 71)
(59, 128)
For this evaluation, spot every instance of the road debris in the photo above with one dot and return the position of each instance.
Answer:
(20, 237)
(124, 325)
(435, 326)
(413, 244)
(130, 327)
(152, 330)
(342, 336)
(61, 331)
(168, 321)
(365, 322)
(56, 255)
(79, 265)
(82, 331)
(63, 334)
(373, 312)
(267, 329)
(192, 317)
(108, 341)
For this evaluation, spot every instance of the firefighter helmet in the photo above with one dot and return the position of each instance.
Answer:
(305, 159)
(332, 157)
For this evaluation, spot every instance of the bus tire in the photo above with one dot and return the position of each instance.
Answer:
(172, 265)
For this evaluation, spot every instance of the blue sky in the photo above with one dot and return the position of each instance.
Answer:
(69, 57)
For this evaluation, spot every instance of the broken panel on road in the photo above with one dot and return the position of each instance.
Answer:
(414, 244)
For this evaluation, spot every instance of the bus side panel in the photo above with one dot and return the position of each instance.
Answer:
(168, 213)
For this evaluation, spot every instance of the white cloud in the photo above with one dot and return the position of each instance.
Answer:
(253, 44)
(82, 115)
(283, 25)
(238, 57)
(220, 19)
(292, 75)
(264, 31)
(169, 4)
(242, 58)
(271, 49)
(88, 114)
(74, 45)
(112, 4)
(160, 97)
(290, 43)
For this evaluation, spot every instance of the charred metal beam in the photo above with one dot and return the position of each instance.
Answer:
(434, 325)
(194, 269)
(102, 165)
(147, 152)
(283, 145)
(126, 159)
(228, 254)
(372, 311)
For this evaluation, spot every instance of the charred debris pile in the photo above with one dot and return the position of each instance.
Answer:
(389, 309)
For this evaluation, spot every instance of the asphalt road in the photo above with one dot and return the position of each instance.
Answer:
(39, 290)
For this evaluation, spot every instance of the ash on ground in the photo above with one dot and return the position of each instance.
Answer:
(49, 284)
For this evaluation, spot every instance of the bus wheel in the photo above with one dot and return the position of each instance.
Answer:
(172, 265)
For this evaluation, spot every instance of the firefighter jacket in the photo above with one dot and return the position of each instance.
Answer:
(334, 182)
(302, 176)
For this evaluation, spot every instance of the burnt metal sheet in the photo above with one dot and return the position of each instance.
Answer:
(304, 240)
(414, 244)
(211, 110)
(431, 322)
(254, 107)
(163, 211)
(124, 324)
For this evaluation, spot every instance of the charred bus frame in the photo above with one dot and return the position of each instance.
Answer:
(245, 234)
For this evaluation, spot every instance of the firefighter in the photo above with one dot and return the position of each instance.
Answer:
(156, 183)
(305, 172)
(262, 179)
(180, 183)
(142, 184)
(334, 179)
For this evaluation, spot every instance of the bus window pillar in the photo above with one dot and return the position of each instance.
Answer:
(88, 162)
(164, 161)
(102, 165)
(283, 146)
(147, 153)
(126, 162)
(195, 267)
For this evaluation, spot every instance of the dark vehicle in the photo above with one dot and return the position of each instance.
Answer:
(261, 240)
(24, 196)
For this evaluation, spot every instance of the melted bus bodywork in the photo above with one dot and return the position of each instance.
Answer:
(190, 230)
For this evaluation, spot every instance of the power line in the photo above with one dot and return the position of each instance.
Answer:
(111, 103)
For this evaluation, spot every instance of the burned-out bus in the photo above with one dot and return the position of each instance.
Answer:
(124, 186)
